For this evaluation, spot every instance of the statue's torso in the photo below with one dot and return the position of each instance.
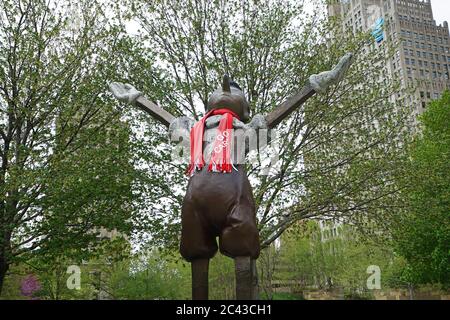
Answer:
(244, 136)
(238, 149)
(217, 193)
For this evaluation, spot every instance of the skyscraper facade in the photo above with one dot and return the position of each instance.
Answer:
(423, 57)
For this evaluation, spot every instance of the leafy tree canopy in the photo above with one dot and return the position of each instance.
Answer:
(422, 234)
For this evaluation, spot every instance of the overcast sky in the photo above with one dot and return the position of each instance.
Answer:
(441, 10)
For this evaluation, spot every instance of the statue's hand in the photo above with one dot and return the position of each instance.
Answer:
(124, 92)
(180, 127)
(320, 82)
(258, 122)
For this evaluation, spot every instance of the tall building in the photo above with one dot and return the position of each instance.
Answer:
(423, 58)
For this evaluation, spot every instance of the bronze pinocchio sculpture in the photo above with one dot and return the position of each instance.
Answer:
(219, 200)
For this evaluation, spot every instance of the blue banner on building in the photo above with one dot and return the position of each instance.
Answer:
(377, 30)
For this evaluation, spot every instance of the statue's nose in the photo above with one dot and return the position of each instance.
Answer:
(226, 83)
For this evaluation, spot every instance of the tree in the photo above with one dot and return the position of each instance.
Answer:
(66, 164)
(150, 275)
(267, 264)
(222, 278)
(316, 260)
(339, 152)
(422, 233)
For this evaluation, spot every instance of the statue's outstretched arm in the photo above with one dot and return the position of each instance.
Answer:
(318, 83)
(127, 93)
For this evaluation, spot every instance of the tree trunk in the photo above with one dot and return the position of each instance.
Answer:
(3, 269)
(255, 294)
(411, 291)
(5, 257)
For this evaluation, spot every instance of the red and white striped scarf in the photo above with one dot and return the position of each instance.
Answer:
(221, 153)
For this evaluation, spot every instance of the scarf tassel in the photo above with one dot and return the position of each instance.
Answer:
(222, 168)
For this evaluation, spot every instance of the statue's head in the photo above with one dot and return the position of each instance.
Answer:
(230, 96)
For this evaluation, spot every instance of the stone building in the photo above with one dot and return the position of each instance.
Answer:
(423, 58)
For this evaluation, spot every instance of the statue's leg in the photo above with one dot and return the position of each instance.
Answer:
(244, 278)
(197, 246)
(240, 240)
(200, 279)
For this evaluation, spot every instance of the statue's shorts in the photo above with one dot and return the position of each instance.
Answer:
(236, 229)
(219, 205)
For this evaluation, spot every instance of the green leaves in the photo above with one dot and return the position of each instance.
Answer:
(67, 163)
(327, 259)
(422, 233)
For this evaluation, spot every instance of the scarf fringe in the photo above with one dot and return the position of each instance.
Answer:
(212, 167)
(193, 168)
(222, 168)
